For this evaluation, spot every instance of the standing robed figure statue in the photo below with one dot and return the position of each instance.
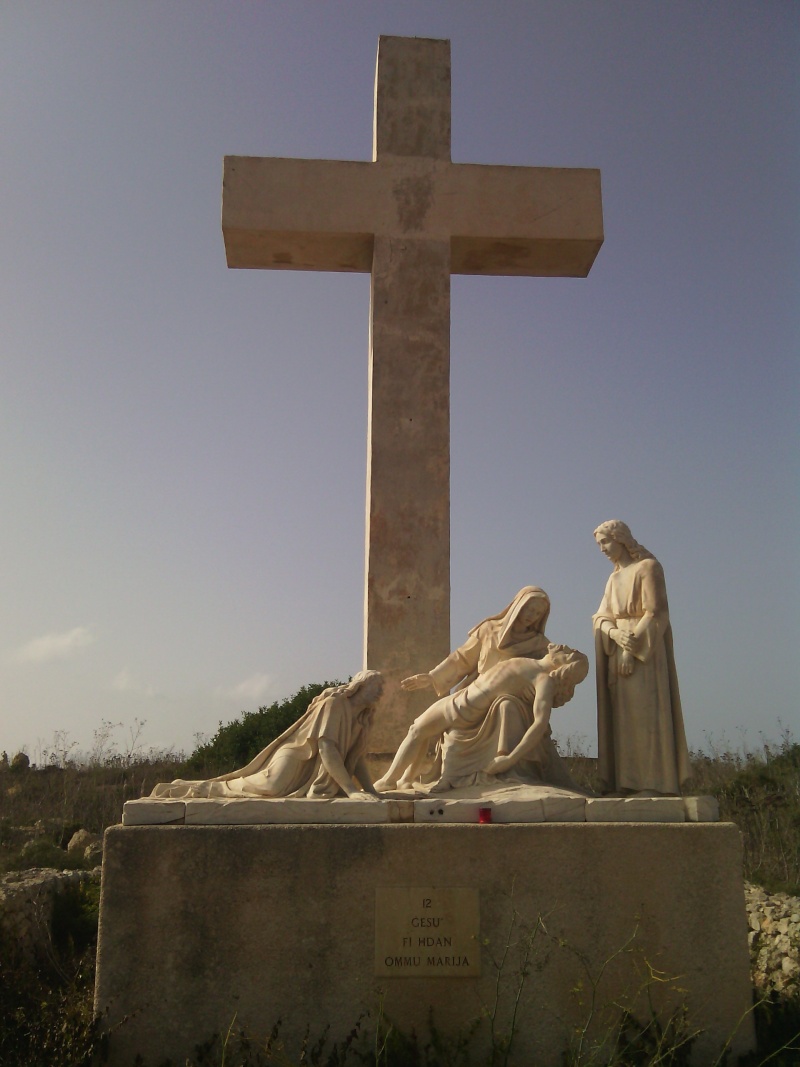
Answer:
(641, 738)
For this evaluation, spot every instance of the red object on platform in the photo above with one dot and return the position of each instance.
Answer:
(484, 814)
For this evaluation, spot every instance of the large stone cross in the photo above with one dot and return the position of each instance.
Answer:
(412, 218)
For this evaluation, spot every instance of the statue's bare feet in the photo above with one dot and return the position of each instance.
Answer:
(442, 786)
(385, 783)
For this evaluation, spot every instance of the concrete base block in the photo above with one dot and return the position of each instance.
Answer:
(450, 811)
(523, 804)
(635, 809)
(201, 925)
(534, 810)
(147, 812)
(701, 809)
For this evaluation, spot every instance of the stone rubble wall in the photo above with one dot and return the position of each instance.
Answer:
(774, 938)
(26, 904)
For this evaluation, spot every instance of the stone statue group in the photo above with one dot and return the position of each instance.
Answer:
(491, 721)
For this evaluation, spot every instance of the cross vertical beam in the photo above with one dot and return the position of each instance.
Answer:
(407, 589)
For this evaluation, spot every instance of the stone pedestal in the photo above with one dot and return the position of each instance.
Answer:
(204, 925)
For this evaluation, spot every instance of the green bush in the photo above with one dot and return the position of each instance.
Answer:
(237, 742)
(41, 852)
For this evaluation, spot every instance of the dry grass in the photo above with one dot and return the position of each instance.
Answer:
(52, 803)
(760, 792)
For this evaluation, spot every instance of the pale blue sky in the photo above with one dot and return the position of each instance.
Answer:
(182, 447)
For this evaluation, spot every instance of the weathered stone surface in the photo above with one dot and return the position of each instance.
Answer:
(203, 924)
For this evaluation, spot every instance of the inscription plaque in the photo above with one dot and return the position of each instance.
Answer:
(427, 933)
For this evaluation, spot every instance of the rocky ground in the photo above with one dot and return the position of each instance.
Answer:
(774, 938)
(26, 905)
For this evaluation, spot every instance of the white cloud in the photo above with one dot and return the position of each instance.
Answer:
(124, 682)
(56, 646)
(252, 689)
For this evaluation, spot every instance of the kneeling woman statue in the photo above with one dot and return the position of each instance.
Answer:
(319, 756)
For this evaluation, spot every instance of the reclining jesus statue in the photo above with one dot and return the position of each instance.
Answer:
(460, 717)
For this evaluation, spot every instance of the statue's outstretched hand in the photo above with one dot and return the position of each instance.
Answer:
(417, 681)
(499, 764)
(359, 794)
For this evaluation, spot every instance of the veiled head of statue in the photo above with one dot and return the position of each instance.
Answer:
(527, 613)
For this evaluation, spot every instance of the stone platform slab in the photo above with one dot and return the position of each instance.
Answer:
(521, 804)
(201, 925)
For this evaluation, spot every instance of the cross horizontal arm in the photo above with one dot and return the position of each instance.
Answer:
(311, 214)
(298, 214)
(534, 221)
